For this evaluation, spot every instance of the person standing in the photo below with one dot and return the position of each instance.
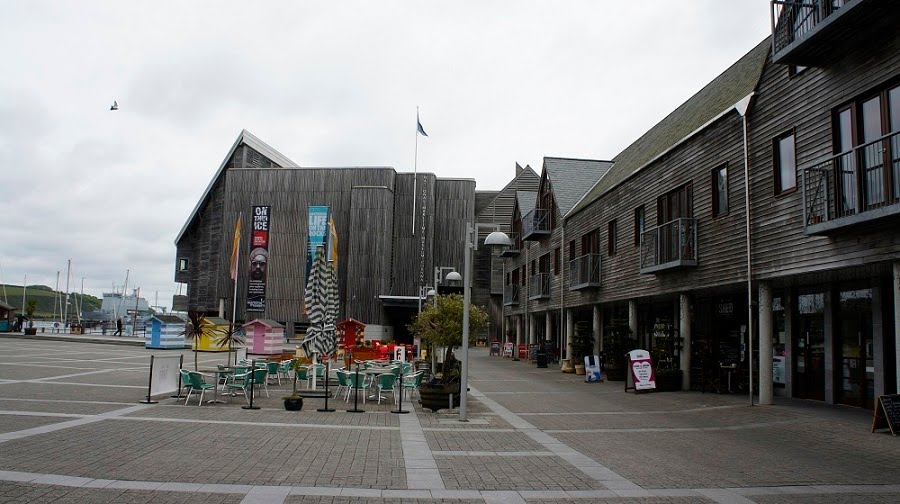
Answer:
(118, 327)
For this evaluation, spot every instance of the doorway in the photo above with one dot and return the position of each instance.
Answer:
(856, 364)
(809, 341)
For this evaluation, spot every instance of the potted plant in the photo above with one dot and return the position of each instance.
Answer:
(582, 345)
(193, 331)
(617, 341)
(440, 325)
(30, 308)
(668, 380)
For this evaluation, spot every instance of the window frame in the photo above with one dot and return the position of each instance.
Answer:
(714, 181)
(611, 237)
(640, 224)
(557, 258)
(183, 264)
(776, 163)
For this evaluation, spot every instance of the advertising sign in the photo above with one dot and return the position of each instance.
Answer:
(592, 369)
(259, 259)
(318, 232)
(641, 366)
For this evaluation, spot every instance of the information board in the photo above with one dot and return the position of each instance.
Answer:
(165, 376)
(887, 413)
(641, 372)
(592, 369)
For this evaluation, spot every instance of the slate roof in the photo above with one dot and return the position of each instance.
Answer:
(266, 322)
(254, 143)
(710, 103)
(483, 199)
(526, 201)
(168, 319)
(572, 178)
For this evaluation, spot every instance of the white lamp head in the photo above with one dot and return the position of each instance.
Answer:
(497, 239)
(453, 276)
(430, 293)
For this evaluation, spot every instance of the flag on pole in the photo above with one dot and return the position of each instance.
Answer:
(235, 246)
(332, 243)
(419, 125)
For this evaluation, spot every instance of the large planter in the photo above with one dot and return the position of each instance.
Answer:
(31, 331)
(292, 404)
(579, 369)
(669, 380)
(437, 396)
(566, 366)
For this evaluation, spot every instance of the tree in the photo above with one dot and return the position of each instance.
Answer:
(30, 308)
(441, 325)
(193, 331)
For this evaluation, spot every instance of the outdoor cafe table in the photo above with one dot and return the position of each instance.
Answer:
(372, 373)
(217, 372)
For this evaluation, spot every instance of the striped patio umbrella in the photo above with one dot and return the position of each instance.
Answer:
(328, 337)
(315, 300)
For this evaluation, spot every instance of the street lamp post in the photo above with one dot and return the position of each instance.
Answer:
(495, 239)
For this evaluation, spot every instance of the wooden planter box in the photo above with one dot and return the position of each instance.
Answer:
(437, 397)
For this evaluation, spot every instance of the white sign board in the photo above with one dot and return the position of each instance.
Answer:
(778, 370)
(592, 369)
(641, 370)
(400, 353)
(240, 354)
(164, 374)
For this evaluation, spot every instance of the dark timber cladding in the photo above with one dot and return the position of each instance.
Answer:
(454, 203)
(369, 264)
(408, 247)
(805, 104)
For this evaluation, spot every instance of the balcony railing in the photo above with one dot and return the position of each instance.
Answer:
(853, 187)
(812, 32)
(584, 272)
(539, 286)
(515, 247)
(536, 224)
(669, 246)
(511, 295)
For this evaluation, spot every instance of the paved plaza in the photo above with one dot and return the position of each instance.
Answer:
(72, 430)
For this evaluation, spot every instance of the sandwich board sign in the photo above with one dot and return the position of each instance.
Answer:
(592, 369)
(640, 373)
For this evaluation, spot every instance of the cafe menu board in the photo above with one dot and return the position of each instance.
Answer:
(887, 413)
(641, 370)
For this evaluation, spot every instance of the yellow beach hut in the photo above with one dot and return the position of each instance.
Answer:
(212, 329)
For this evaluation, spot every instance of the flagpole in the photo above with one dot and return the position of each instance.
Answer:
(237, 262)
(415, 173)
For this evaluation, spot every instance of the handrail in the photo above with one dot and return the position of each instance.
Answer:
(584, 270)
(673, 242)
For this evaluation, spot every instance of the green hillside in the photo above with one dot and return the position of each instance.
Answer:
(45, 297)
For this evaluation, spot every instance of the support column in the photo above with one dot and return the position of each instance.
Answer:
(790, 322)
(598, 335)
(518, 334)
(548, 327)
(570, 331)
(895, 287)
(532, 327)
(684, 329)
(878, 337)
(221, 307)
(632, 321)
(766, 392)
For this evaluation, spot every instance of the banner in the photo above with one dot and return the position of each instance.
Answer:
(259, 259)
(318, 232)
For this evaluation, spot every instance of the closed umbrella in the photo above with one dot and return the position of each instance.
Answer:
(315, 304)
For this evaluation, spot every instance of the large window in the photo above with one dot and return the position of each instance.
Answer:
(590, 242)
(556, 261)
(182, 265)
(720, 191)
(785, 163)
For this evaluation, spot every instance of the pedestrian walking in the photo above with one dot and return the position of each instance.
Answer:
(118, 327)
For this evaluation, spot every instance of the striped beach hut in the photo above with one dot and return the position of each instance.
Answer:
(164, 331)
(212, 329)
(264, 336)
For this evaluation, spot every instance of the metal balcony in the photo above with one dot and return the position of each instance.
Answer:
(539, 286)
(515, 247)
(584, 272)
(854, 187)
(814, 32)
(672, 245)
(511, 295)
(536, 224)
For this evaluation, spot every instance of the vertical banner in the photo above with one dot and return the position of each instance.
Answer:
(318, 231)
(259, 259)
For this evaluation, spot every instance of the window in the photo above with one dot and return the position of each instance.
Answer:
(590, 242)
(544, 264)
(556, 261)
(675, 204)
(785, 163)
(611, 238)
(182, 265)
(720, 191)
(571, 250)
(639, 223)
(533, 269)
(794, 70)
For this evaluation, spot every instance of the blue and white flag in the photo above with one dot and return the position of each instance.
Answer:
(419, 125)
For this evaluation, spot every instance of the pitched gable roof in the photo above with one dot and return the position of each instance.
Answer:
(571, 178)
(168, 319)
(526, 201)
(254, 143)
(716, 99)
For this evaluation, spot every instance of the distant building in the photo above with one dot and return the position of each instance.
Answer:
(116, 305)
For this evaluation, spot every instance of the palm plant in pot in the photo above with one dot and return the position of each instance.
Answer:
(440, 325)
(30, 308)
(294, 401)
(582, 345)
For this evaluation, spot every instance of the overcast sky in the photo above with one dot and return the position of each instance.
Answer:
(331, 83)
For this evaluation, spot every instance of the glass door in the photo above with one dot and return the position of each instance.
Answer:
(809, 359)
(873, 152)
(846, 163)
(855, 361)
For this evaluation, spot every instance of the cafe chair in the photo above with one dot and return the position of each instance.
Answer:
(386, 383)
(355, 383)
(284, 369)
(198, 386)
(185, 382)
(273, 369)
(343, 381)
(411, 384)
